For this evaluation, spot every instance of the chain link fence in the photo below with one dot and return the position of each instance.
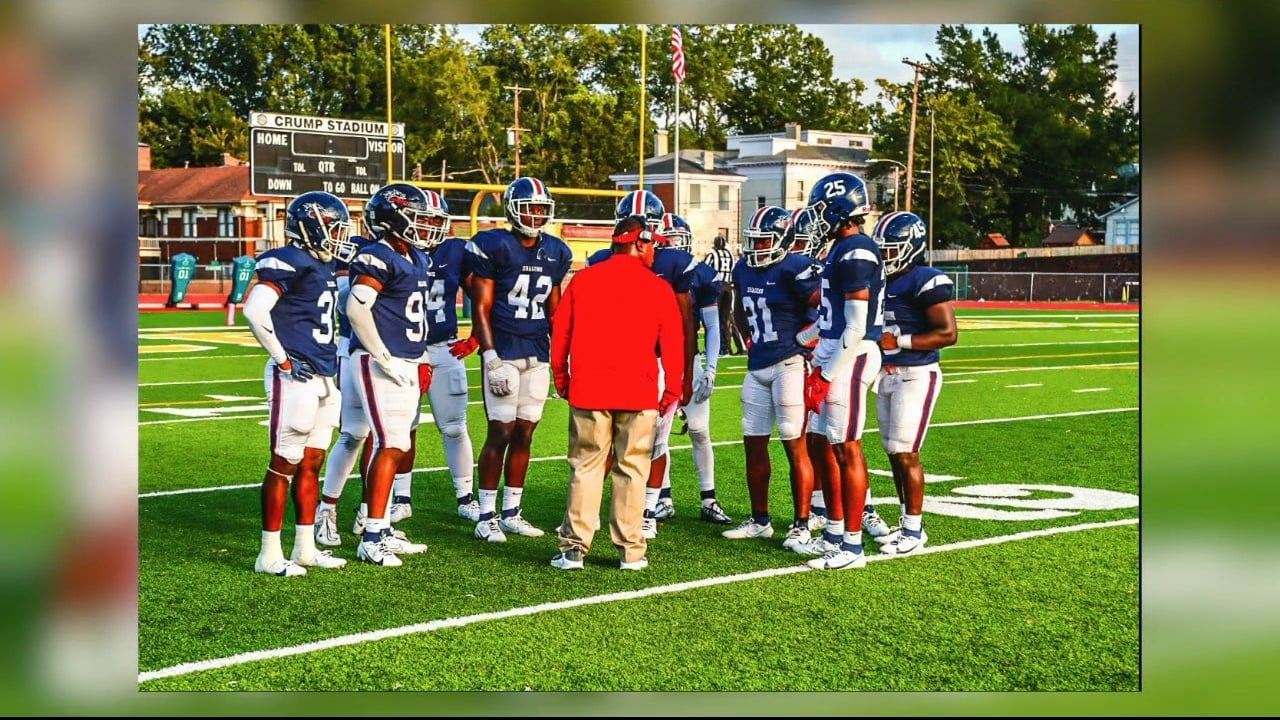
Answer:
(1045, 286)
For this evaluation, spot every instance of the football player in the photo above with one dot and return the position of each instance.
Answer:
(387, 310)
(846, 359)
(776, 291)
(918, 322)
(515, 288)
(705, 295)
(290, 313)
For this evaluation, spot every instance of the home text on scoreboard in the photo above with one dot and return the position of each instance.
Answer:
(293, 154)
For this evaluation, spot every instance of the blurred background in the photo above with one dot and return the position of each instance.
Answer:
(68, 444)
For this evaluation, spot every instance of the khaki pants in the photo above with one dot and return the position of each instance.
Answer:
(593, 436)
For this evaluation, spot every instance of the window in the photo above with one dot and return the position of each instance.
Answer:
(695, 195)
(857, 143)
(1126, 232)
(226, 223)
(800, 196)
(189, 222)
(824, 141)
(761, 201)
(724, 197)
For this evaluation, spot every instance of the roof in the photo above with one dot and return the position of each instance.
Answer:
(812, 152)
(1118, 208)
(191, 186)
(1068, 236)
(995, 240)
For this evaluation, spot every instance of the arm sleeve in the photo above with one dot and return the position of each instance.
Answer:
(360, 313)
(855, 327)
(257, 312)
(344, 292)
(711, 321)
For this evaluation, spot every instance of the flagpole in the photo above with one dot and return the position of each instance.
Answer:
(391, 166)
(675, 183)
(644, 38)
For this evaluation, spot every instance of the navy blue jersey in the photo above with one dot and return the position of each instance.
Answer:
(677, 267)
(852, 264)
(450, 264)
(303, 316)
(523, 279)
(599, 256)
(907, 297)
(776, 302)
(706, 292)
(400, 311)
(344, 268)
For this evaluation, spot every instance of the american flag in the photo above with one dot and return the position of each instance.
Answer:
(677, 54)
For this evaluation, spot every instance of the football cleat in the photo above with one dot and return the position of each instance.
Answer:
(749, 529)
(320, 559)
(905, 543)
(327, 526)
(399, 511)
(401, 545)
(517, 525)
(713, 513)
(357, 528)
(797, 535)
(570, 559)
(490, 530)
(817, 520)
(818, 546)
(278, 567)
(378, 553)
(839, 559)
(469, 511)
(649, 526)
(874, 525)
(665, 509)
(640, 564)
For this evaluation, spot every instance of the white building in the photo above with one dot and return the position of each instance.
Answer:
(1123, 223)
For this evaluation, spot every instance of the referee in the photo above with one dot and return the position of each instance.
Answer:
(721, 260)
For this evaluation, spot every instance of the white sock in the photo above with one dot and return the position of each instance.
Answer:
(914, 523)
(666, 472)
(304, 540)
(364, 510)
(853, 538)
(651, 498)
(401, 486)
(488, 499)
(271, 545)
(511, 497)
(457, 453)
(835, 528)
(868, 501)
(817, 502)
(342, 462)
(704, 460)
(376, 525)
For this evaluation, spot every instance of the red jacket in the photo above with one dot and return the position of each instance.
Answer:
(605, 333)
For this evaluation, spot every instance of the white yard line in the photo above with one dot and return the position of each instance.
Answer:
(1085, 390)
(528, 610)
(719, 443)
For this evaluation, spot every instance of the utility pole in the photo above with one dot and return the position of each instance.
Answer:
(933, 181)
(516, 89)
(911, 138)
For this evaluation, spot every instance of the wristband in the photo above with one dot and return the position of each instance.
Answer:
(904, 342)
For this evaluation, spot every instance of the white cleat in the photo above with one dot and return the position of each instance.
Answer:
(875, 525)
(665, 510)
(378, 553)
(399, 511)
(357, 528)
(749, 529)
(839, 559)
(797, 536)
(469, 511)
(278, 567)
(489, 530)
(320, 559)
(517, 525)
(327, 526)
(649, 527)
(905, 543)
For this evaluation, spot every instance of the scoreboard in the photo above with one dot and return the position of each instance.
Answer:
(293, 154)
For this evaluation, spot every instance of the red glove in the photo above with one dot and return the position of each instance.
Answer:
(746, 343)
(425, 372)
(563, 391)
(667, 402)
(816, 388)
(463, 348)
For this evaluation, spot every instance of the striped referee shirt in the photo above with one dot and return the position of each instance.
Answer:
(721, 261)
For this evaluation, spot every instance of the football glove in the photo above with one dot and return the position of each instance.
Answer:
(667, 402)
(395, 369)
(702, 389)
(298, 368)
(463, 348)
(500, 376)
(425, 371)
(816, 388)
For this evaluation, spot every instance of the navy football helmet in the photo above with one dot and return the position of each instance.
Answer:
(902, 237)
(529, 206)
(320, 222)
(678, 233)
(765, 237)
(644, 204)
(408, 213)
(803, 236)
(837, 198)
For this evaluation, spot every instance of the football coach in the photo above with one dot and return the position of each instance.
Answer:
(615, 322)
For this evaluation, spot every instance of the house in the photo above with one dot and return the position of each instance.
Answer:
(1069, 237)
(992, 241)
(721, 189)
(1123, 223)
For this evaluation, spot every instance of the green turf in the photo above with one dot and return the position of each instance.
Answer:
(1057, 612)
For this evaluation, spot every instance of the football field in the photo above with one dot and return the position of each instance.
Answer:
(1030, 580)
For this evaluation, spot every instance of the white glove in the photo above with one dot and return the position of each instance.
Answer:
(501, 377)
(398, 370)
(702, 389)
